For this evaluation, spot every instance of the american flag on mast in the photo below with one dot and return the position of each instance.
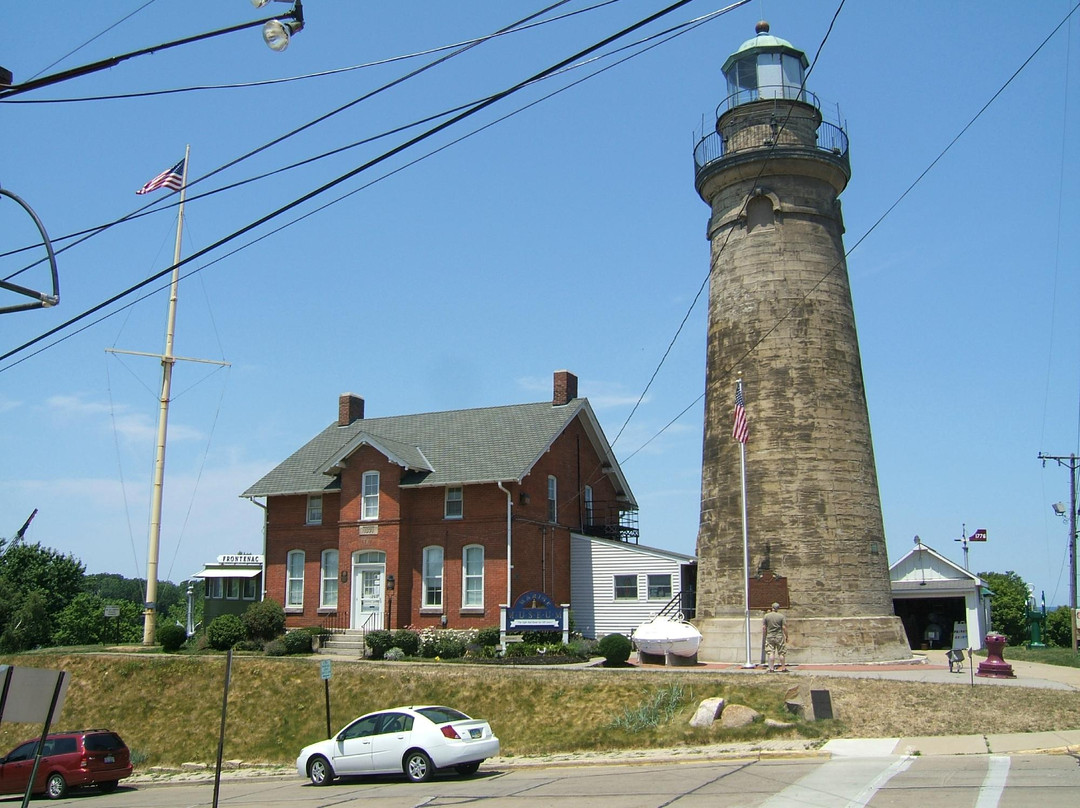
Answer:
(741, 430)
(172, 178)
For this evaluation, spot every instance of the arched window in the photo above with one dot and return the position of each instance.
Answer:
(369, 557)
(759, 213)
(294, 580)
(433, 578)
(472, 577)
(329, 590)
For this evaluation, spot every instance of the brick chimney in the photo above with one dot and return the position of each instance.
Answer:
(350, 408)
(565, 388)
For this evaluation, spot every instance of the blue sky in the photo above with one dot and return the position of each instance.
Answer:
(568, 236)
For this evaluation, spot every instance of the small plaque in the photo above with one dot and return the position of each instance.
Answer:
(822, 703)
(767, 589)
(369, 530)
(112, 610)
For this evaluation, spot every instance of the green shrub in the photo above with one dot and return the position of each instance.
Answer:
(1059, 627)
(225, 631)
(408, 641)
(541, 637)
(488, 636)
(276, 648)
(395, 654)
(248, 645)
(264, 620)
(297, 642)
(520, 649)
(171, 637)
(379, 642)
(615, 649)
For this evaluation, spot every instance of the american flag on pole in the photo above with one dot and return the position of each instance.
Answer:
(172, 178)
(741, 430)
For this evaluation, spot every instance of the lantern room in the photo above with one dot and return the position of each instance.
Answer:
(765, 67)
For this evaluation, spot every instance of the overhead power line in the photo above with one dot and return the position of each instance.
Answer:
(354, 172)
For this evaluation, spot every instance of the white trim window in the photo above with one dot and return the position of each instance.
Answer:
(626, 587)
(232, 589)
(294, 580)
(328, 592)
(314, 510)
(370, 496)
(659, 586)
(217, 588)
(454, 502)
(472, 577)
(433, 578)
(553, 499)
(588, 506)
(249, 589)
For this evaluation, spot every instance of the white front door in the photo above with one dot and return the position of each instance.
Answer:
(368, 608)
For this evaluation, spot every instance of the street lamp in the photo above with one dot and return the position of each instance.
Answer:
(1072, 463)
(276, 33)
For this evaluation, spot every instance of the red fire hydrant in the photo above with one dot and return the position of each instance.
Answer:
(995, 667)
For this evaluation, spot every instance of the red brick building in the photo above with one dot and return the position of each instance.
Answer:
(410, 520)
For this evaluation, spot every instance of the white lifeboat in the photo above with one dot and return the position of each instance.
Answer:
(667, 635)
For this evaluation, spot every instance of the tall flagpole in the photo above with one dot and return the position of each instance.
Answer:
(167, 361)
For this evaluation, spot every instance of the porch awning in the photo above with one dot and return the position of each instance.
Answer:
(228, 572)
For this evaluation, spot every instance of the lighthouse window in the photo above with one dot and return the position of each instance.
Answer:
(759, 213)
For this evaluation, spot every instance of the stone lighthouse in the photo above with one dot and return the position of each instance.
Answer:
(781, 320)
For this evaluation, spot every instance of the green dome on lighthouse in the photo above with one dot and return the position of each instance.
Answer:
(764, 67)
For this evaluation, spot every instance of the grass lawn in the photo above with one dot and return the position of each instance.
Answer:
(168, 708)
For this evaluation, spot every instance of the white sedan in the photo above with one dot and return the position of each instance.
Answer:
(414, 740)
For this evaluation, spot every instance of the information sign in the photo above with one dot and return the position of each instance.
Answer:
(324, 669)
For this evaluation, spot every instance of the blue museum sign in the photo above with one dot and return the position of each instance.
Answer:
(534, 611)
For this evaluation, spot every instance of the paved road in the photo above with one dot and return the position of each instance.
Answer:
(983, 781)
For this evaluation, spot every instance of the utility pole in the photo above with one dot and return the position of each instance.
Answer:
(1070, 462)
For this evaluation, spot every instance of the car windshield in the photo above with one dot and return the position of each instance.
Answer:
(442, 715)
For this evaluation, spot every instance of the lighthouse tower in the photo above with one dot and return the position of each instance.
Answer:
(781, 320)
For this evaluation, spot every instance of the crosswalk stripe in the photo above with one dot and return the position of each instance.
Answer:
(993, 785)
(849, 781)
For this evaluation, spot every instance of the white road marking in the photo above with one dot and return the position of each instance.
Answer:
(993, 785)
(846, 781)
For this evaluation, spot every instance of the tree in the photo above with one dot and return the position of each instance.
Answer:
(36, 583)
(1059, 627)
(83, 622)
(1008, 606)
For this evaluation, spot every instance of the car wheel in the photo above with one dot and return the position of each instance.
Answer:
(55, 786)
(108, 786)
(468, 769)
(320, 771)
(418, 766)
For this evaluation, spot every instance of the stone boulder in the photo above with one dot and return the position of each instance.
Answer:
(738, 715)
(707, 712)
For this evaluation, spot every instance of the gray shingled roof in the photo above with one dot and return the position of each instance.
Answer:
(439, 448)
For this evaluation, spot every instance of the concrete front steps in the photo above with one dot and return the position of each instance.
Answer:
(343, 643)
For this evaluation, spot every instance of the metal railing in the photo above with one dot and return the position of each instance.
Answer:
(680, 607)
(335, 623)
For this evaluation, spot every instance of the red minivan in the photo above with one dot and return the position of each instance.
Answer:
(89, 757)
